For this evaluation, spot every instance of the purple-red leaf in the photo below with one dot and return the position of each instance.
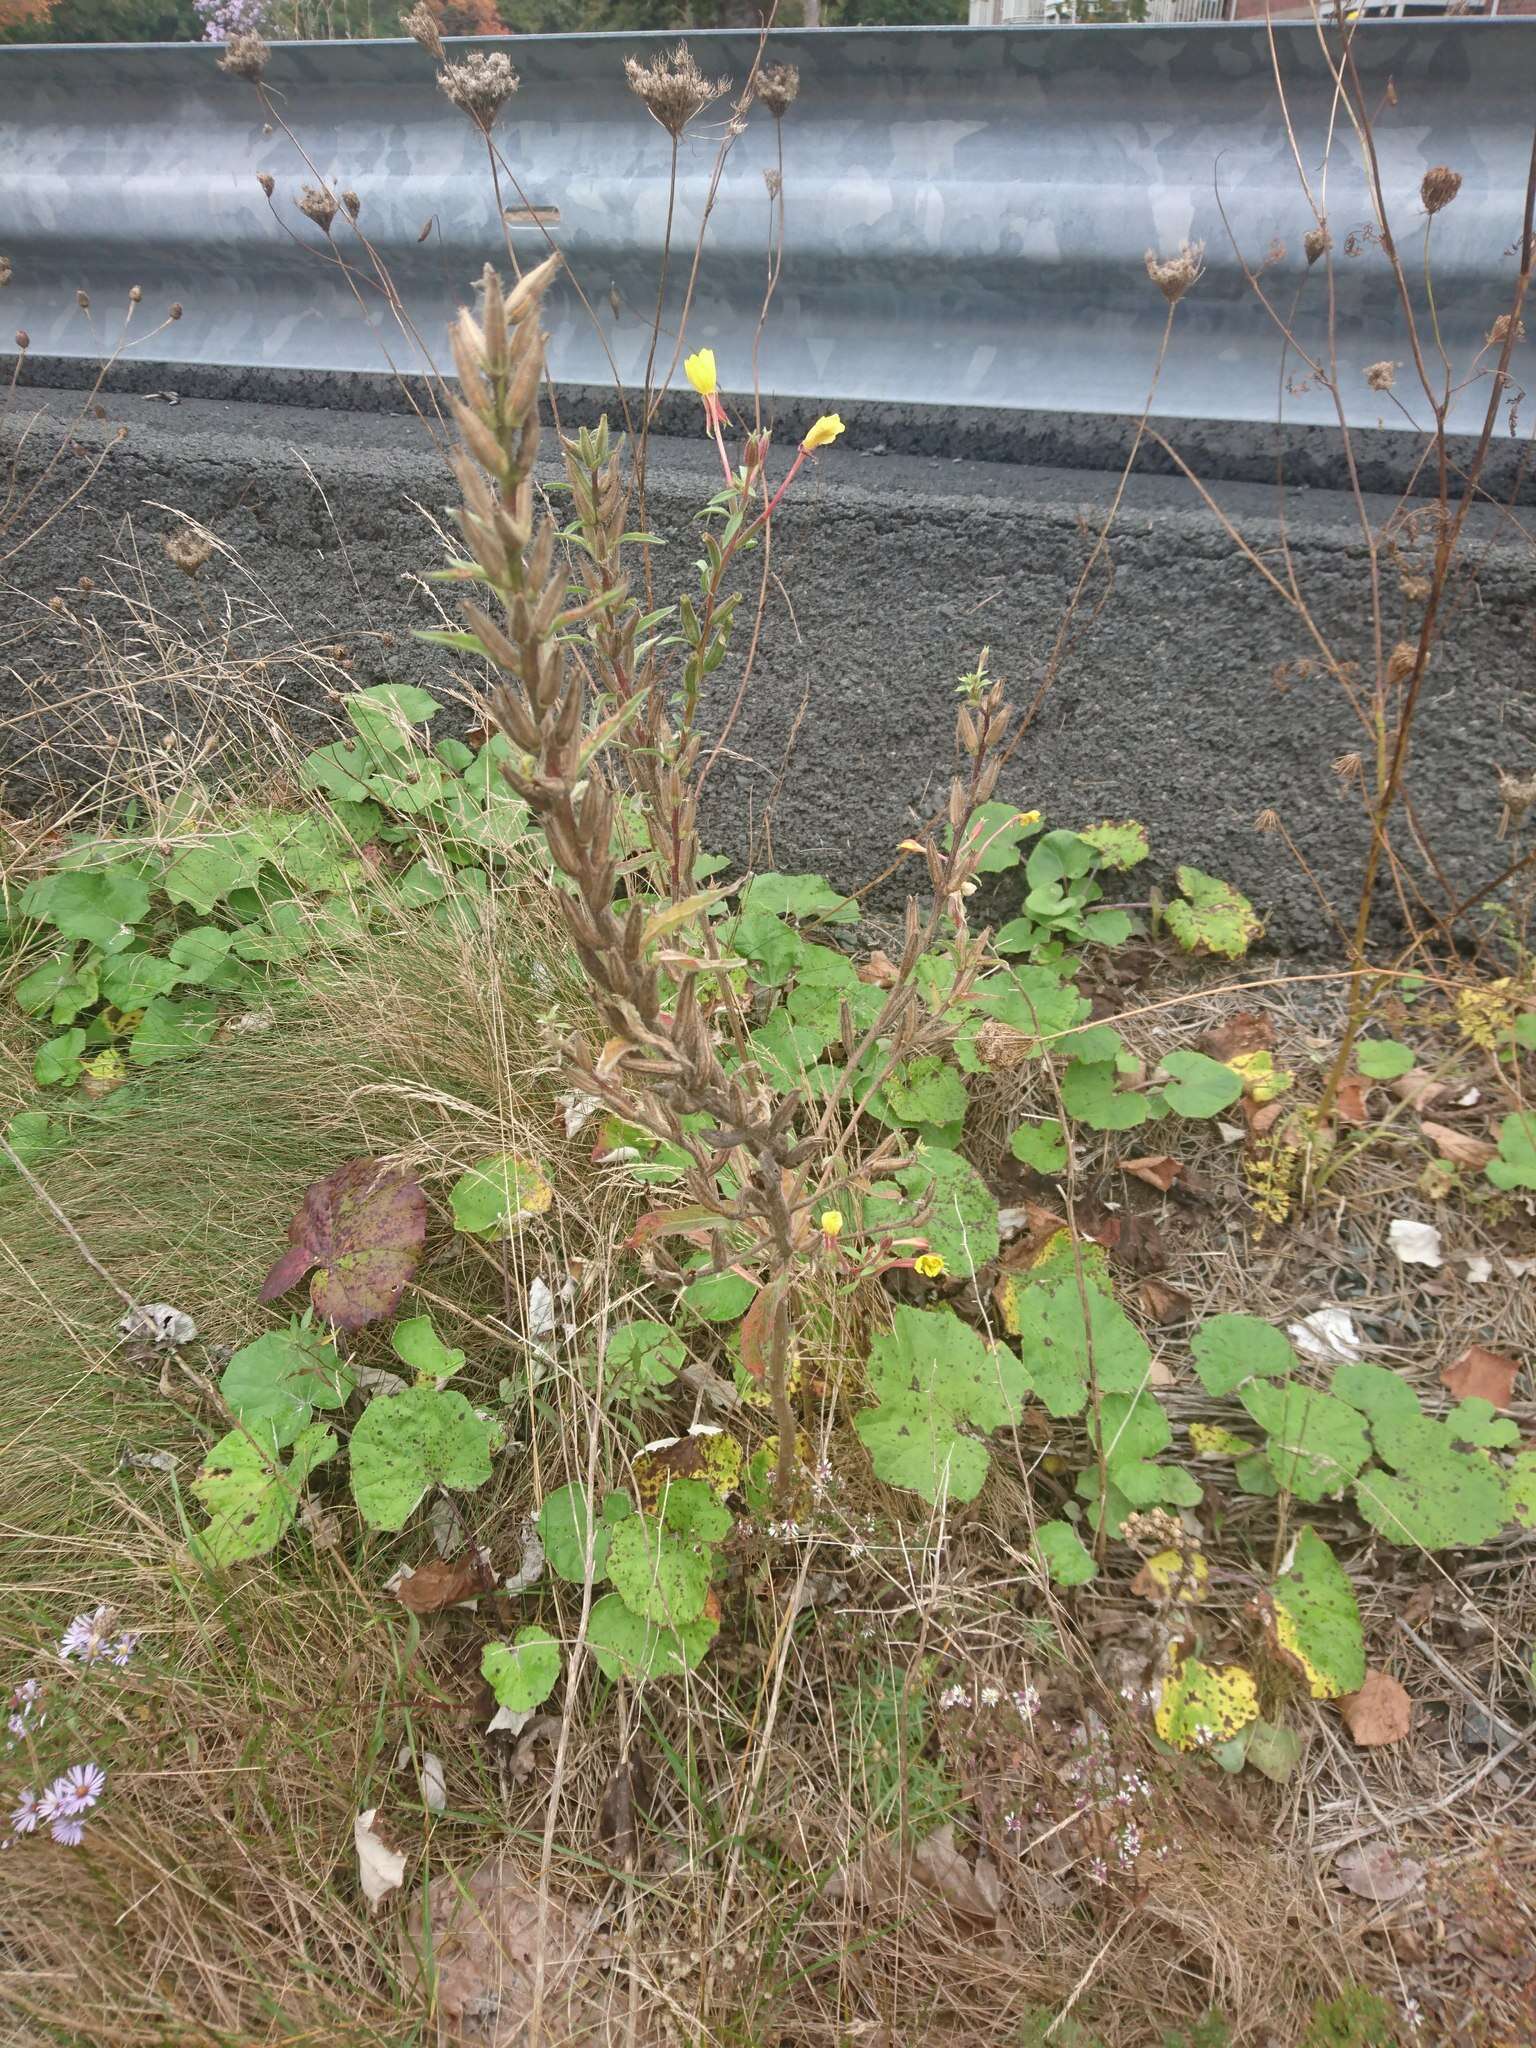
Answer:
(362, 1229)
(759, 1326)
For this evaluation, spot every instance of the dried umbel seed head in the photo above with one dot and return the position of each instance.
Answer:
(352, 203)
(421, 23)
(175, 310)
(1174, 277)
(1415, 588)
(23, 339)
(83, 301)
(1517, 793)
(1499, 331)
(5, 270)
(1154, 1530)
(778, 87)
(1316, 242)
(245, 56)
(267, 182)
(187, 550)
(135, 293)
(1347, 767)
(674, 89)
(1267, 821)
(87, 585)
(1402, 661)
(481, 86)
(1381, 376)
(318, 206)
(1439, 188)
(775, 183)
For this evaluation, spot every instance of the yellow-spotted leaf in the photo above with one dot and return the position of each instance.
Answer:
(1209, 1440)
(1201, 1705)
(1173, 1575)
(1315, 1620)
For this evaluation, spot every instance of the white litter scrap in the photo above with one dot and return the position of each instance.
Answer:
(1416, 1244)
(157, 1323)
(432, 1779)
(1328, 1335)
(380, 1869)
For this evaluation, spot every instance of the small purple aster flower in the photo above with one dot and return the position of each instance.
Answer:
(24, 1815)
(87, 1636)
(79, 1788)
(70, 1832)
(123, 1649)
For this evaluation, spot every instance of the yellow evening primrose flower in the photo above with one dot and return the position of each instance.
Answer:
(823, 433)
(831, 1223)
(700, 371)
(930, 1265)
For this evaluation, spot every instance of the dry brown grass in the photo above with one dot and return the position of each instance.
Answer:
(219, 1898)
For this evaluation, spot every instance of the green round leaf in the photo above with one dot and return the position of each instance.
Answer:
(719, 1297)
(1199, 1086)
(1216, 918)
(523, 1673)
(1383, 1059)
(563, 1529)
(661, 1572)
(497, 1194)
(250, 1494)
(1040, 1145)
(281, 1377)
(1064, 1554)
(405, 1443)
(626, 1645)
(94, 904)
(1230, 1349)
(962, 1224)
(642, 1356)
(417, 1344)
(1317, 1620)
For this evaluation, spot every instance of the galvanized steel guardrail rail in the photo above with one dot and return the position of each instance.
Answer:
(967, 209)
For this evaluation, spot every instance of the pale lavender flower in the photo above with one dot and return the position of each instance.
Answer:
(24, 1814)
(79, 1788)
(1098, 1871)
(990, 1695)
(88, 1636)
(1027, 1700)
(954, 1696)
(70, 1832)
(123, 1649)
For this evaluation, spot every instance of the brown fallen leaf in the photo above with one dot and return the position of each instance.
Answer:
(1040, 1226)
(1480, 1375)
(1460, 1147)
(1349, 1105)
(1157, 1170)
(444, 1582)
(1134, 1240)
(486, 1938)
(1418, 1088)
(1379, 1712)
(1164, 1304)
(1261, 1117)
(880, 970)
(883, 1875)
(1244, 1031)
(1375, 1870)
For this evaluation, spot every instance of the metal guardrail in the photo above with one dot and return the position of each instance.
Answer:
(967, 209)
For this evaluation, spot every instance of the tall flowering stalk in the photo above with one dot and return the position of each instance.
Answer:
(660, 988)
